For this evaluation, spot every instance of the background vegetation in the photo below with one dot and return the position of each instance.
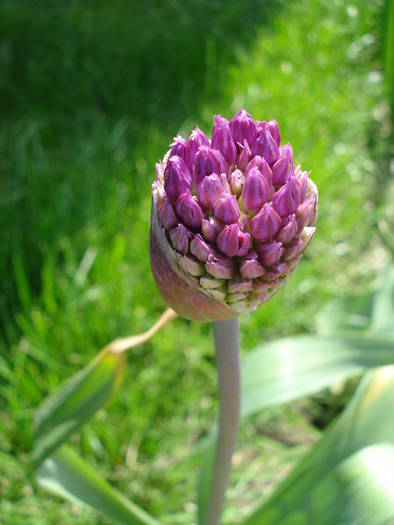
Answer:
(91, 94)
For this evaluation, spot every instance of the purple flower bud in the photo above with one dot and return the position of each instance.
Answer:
(262, 165)
(302, 178)
(209, 191)
(293, 249)
(305, 211)
(222, 139)
(239, 285)
(283, 167)
(251, 268)
(294, 262)
(225, 185)
(243, 127)
(274, 130)
(220, 267)
(266, 223)
(211, 229)
(255, 191)
(287, 199)
(260, 286)
(258, 299)
(269, 253)
(233, 242)
(189, 211)
(181, 148)
(230, 218)
(237, 179)
(244, 155)
(236, 297)
(208, 161)
(191, 266)
(226, 209)
(210, 283)
(177, 178)
(271, 276)
(260, 125)
(166, 214)
(180, 238)
(220, 295)
(197, 139)
(200, 249)
(288, 230)
(244, 223)
(265, 146)
(282, 269)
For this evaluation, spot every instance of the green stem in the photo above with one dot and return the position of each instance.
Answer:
(229, 382)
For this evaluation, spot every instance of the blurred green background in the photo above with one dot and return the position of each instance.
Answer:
(91, 94)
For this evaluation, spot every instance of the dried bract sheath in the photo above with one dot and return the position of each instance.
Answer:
(230, 219)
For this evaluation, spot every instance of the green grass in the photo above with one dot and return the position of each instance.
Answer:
(91, 94)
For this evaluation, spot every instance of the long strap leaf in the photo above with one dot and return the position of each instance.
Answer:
(59, 469)
(76, 401)
(287, 369)
(67, 475)
(345, 453)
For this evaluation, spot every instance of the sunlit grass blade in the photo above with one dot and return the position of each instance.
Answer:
(67, 475)
(345, 461)
(287, 369)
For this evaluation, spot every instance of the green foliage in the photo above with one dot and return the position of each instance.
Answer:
(90, 96)
(343, 467)
(66, 474)
(287, 369)
(348, 476)
(76, 402)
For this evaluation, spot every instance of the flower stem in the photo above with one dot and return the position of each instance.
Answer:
(226, 335)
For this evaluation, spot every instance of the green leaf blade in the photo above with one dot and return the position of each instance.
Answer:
(65, 474)
(287, 369)
(76, 402)
(353, 458)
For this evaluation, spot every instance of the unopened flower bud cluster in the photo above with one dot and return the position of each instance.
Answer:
(235, 210)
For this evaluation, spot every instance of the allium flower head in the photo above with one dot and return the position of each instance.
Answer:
(231, 218)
